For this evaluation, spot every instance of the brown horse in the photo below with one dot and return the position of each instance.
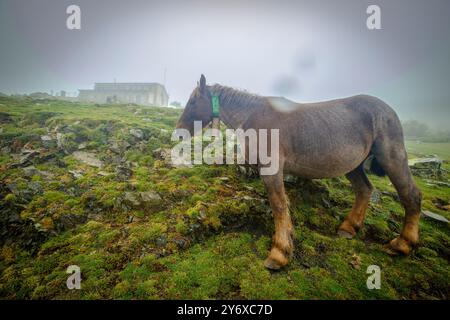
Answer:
(319, 140)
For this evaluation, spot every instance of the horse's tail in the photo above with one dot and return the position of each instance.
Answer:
(376, 168)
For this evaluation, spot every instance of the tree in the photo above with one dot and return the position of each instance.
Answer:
(415, 129)
(176, 104)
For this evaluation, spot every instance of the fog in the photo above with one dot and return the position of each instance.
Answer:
(303, 50)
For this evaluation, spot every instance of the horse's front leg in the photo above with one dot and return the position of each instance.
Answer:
(282, 243)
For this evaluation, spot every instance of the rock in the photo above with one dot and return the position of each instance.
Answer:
(5, 117)
(88, 158)
(26, 158)
(248, 171)
(123, 172)
(162, 153)
(137, 133)
(161, 241)
(30, 171)
(290, 178)
(434, 216)
(131, 199)
(150, 198)
(104, 173)
(119, 146)
(181, 242)
(76, 174)
(82, 146)
(426, 167)
(437, 183)
(376, 197)
(356, 261)
(48, 141)
(6, 150)
(68, 221)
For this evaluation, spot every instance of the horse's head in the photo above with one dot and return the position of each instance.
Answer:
(198, 108)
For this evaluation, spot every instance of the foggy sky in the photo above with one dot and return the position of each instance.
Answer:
(303, 50)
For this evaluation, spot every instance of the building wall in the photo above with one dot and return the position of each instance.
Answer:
(142, 94)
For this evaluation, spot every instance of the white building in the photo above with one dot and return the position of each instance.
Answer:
(150, 94)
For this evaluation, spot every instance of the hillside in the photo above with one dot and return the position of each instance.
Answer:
(90, 185)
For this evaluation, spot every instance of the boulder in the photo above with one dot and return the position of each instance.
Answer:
(27, 157)
(88, 158)
(426, 167)
(48, 141)
(68, 221)
(137, 133)
(434, 216)
(123, 172)
(119, 146)
(150, 198)
(131, 199)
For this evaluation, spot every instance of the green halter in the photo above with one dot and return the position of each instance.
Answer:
(215, 105)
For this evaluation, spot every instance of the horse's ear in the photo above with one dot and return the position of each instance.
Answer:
(202, 83)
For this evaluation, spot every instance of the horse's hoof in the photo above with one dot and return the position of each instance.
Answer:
(346, 230)
(399, 246)
(345, 234)
(276, 260)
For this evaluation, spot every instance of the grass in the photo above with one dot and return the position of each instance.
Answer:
(418, 148)
(207, 237)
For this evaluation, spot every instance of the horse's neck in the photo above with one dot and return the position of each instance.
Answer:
(235, 109)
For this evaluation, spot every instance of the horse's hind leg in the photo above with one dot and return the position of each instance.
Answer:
(393, 159)
(363, 190)
(282, 244)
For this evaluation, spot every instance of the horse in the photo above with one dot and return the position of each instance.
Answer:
(319, 140)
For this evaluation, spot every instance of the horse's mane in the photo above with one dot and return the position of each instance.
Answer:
(236, 97)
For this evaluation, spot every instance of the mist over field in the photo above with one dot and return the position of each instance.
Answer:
(303, 50)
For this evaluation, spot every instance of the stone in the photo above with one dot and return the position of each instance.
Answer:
(48, 141)
(82, 146)
(119, 146)
(162, 153)
(248, 171)
(150, 197)
(27, 158)
(426, 167)
(30, 171)
(68, 221)
(104, 173)
(76, 174)
(88, 158)
(434, 216)
(6, 150)
(376, 197)
(356, 261)
(123, 172)
(137, 133)
(289, 178)
(131, 199)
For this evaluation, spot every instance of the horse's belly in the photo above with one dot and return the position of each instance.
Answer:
(326, 165)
